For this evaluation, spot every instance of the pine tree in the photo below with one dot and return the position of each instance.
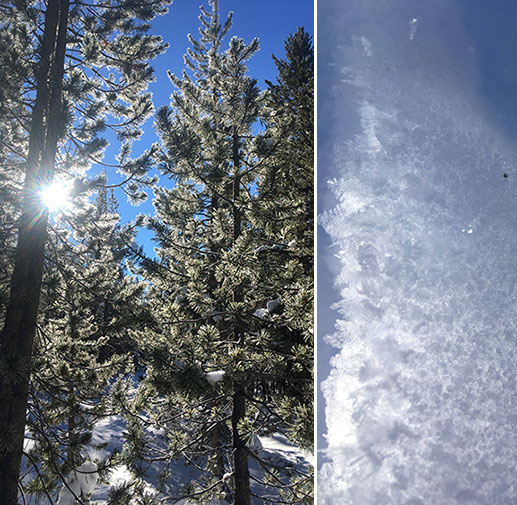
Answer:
(286, 196)
(14, 41)
(207, 136)
(85, 68)
(87, 304)
(214, 361)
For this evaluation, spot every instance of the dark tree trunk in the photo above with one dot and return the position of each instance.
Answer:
(236, 186)
(240, 451)
(17, 336)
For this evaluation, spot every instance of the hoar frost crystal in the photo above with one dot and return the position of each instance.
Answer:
(421, 404)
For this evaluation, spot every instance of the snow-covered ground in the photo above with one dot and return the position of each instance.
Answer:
(108, 437)
(421, 402)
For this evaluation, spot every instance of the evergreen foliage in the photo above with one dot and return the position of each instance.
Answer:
(72, 70)
(286, 197)
(226, 231)
(88, 303)
(218, 329)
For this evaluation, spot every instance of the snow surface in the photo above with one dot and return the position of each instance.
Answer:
(214, 377)
(109, 434)
(80, 484)
(421, 402)
(261, 313)
(276, 444)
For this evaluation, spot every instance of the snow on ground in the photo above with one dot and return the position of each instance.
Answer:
(421, 402)
(108, 436)
(80, 483)
(277, 445)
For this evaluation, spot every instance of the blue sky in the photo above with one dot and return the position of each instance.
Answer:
(269, 20)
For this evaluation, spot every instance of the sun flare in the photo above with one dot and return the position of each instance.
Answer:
(56, 196)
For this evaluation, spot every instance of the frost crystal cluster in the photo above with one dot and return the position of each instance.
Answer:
(421, 403)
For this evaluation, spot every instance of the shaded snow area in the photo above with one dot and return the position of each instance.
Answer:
(108, 437)
(421, 402)
(85, 483)
(276, 446)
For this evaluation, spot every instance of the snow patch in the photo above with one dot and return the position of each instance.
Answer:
(261, 313)
(214, 377)
(80, 483)
(277, 445)
(273, 247)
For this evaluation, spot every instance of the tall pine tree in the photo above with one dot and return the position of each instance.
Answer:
(219, 361)
(85, 68)
(286, 221)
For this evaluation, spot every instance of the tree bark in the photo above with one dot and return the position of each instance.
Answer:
(240, 451)
(217, 434)
(216, 441)
(17, 336)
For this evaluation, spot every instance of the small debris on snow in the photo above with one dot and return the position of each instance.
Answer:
(214, 377)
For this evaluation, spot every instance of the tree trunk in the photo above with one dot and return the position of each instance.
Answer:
(17, 336)
(240, 451)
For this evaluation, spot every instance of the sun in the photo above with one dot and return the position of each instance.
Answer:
(56, 196)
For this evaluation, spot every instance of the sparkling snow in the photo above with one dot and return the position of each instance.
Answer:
(421, 402)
